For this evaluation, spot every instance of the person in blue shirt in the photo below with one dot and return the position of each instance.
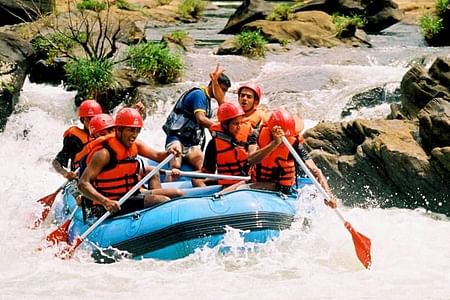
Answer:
(186, 123)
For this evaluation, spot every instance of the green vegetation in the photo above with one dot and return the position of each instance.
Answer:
(343, 22)
(441, 6)
(89, 76)
(163, 2)
(95, 5)
(125, 5)
(55, 44)
(155, 61)
(191, 8)
(251, 43)
(283, 42)
(430, 25)
(297, 5)
(178, 36)
(280, 13)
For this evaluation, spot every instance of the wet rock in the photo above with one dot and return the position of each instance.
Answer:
(371, 98)
(15, 59)
(434, 120)
(378, 160)
(379, 14)
(248, 11)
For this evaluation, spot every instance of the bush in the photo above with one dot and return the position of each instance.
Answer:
(251, 43)
(52, 45)
(280, 13)
(125, 5)
(191, 8)
(155, 61)
(178, 36)
(441, 6)
(95, 5)
(89, 76)
(430, 25)
(343, 22)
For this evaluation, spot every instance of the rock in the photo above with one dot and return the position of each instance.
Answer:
(379, 162)
(443, 156)
(15, 59)
(313, 29)
(434, 120)
(379, 14)
(15, 12)
(248, 11)
(417, 89)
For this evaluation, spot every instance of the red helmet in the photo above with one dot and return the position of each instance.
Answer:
(229, 111)
(89, 108)
(129, 117)
(100, 122)
(256, 88)
(284, 119)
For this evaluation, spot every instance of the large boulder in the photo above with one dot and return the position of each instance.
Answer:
(379, 162)
(19, 11)
(248, 11)
(15, 59)
(418, 86)
(379, 14)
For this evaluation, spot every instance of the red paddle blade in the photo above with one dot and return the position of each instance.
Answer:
(60, 234)
(67, 252)
(47, 203)
(49, 199)
(362, 245)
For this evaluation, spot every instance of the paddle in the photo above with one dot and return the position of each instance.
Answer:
(208, 175)
(47, 203)
(67, 253)
(61, 234)
(361, 242)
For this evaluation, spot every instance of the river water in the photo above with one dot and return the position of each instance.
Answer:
(409, 247)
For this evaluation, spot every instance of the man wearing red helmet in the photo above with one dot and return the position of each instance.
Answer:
(273, 166)
(249, 98)
(113, 168)
(185, 125)
(225, 153)
(75, 139)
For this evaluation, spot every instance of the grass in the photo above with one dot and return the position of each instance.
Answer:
(89, 76)
(251, 43)
(280, 12)
(191, 8)
(430, 25)
(343, 22)
(156, 62)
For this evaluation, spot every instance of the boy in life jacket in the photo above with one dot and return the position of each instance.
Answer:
(75, 139)
(113, 168)
(225, 153)
(185, 125)
(273, 166)
(249, 98)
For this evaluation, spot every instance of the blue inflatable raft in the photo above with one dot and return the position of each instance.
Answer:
(177, 228)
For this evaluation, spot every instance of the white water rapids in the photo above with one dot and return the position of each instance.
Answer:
(410, 248)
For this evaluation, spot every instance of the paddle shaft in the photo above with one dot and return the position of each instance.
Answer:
(123, 199)
(310, 175)
(208, 175)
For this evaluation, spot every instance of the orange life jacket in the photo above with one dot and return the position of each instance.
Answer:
(84, 137)
(254, 119)
(278, 166)
(231, 155)
(122, 171)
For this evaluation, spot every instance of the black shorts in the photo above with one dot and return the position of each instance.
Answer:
(133, 203)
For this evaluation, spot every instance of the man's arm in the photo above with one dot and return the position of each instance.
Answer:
(99, 160)
(149, 152)
(202, 119)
